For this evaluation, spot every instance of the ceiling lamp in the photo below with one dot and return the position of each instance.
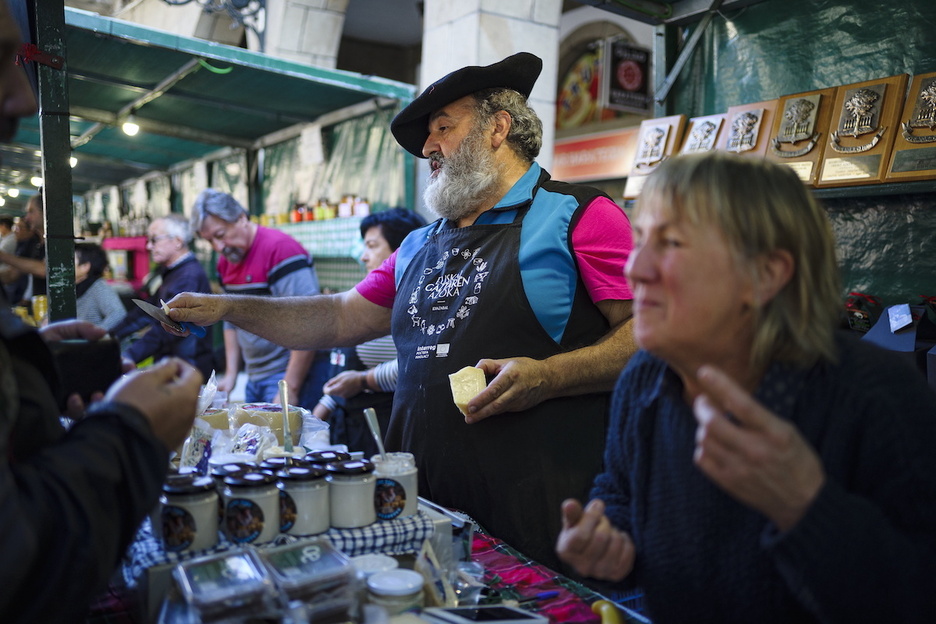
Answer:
(13, 192)
(2, 201)
(130, 126)
(72, 161)
(36, 180)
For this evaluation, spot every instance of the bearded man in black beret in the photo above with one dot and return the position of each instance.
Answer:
(522, 276)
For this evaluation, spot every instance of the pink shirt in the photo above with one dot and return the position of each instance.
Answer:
(601, 240)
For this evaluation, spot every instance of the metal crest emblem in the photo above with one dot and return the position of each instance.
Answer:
(745, 127)
(702, 137)
(860, 115)
(799, 123)
(924, 114)
(652, 148)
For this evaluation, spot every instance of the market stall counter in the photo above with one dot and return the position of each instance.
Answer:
(155, 587)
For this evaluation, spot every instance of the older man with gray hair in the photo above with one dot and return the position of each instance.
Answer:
(177, 270)
(261, 261)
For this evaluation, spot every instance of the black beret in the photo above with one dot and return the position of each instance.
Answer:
(411, 126)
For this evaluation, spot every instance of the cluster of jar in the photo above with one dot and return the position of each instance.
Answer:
(253, 503)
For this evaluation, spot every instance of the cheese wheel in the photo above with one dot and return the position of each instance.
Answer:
(269, 415)
(466, 385)
(216, 417)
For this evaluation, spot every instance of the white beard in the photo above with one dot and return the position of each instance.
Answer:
(467, 178)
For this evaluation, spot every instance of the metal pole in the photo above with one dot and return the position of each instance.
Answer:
(56, 171)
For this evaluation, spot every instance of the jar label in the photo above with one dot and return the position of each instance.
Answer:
(389, 498)
(243, 520)
(178, 528)
(287, 511)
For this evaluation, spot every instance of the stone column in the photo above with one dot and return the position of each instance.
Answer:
(306, 31)
(457, 33)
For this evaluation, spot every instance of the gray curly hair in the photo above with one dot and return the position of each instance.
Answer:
(526, 129)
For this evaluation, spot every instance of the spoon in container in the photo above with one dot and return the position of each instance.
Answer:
(371, 417)
(284, 399)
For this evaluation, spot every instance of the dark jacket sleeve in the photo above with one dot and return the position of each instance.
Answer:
(187, 277)
(71, 501)
(866, 548)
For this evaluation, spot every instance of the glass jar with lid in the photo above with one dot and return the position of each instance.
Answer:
(251, 509)
(396, 490)
(304, 500)
(188, 513)
(323, 458)
(275, 464)
(351, 485)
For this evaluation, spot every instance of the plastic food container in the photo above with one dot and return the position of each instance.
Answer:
(370, 564)
(396, 590)
(316, 573)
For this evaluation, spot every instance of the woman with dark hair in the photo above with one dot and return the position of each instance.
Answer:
(97, 302)
(365, 376)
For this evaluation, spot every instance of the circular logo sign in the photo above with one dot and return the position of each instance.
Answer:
(630, 75)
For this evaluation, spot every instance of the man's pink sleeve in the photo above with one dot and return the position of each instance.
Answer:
(602, 242)
(380, 286)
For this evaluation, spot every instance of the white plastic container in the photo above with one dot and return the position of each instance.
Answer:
(396, 590)
(396, 493)
(371, 563)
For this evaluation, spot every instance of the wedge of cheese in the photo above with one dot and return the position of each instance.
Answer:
(466, 385)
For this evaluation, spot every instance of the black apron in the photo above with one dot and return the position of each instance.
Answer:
(461, 299)
(348, 425)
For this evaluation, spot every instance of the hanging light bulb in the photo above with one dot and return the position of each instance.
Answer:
(36, 180)
(72, 161)
(2, 201)
(130, 126)
(13, 192)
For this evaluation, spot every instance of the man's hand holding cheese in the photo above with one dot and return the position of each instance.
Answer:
(517, 384)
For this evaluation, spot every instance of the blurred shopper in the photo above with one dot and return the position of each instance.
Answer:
(257, 260)
(17, 286)
(366, 375)
(29, 260)
(72, 501)
(8, 246)
(177, 270)
(7, 237)
(96, 301)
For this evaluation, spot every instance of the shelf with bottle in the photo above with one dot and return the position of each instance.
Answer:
(334, 238)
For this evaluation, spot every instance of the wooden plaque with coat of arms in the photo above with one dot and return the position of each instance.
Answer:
(658, 140)
(914, 153)
(702, 133)
(799, 129)
(865, 122)
(747, 128)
